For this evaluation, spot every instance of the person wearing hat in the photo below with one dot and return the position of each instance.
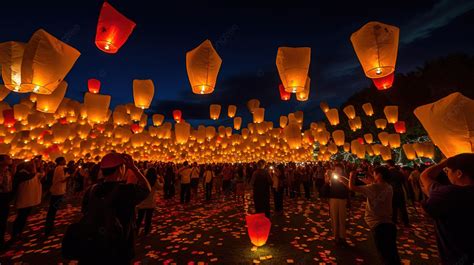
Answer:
(58, 189)
(124, 187)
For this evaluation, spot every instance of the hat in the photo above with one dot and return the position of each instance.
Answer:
(111, 160)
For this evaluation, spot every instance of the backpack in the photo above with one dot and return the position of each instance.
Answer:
(98, 234)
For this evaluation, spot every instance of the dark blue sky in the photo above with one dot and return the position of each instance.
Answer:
(247, 40)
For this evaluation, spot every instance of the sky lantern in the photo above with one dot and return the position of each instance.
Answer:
(283, 121)
(237, 123)
(258, 227)
(113, 29)
(367, 107)
(391, 113)
(394, 140)
(409, 151)
(449, 123)
(8, 118)
(158, 119)
(258, 115)
(182, 132)
(349, 110)
(293, 67)
(136, 113)
(46, 61)
(304, 95)
(293, 135)
(383, 137)
(299, 116)
(400, 127)
(203, 64)
(338, 137)
(97, 107)
(135, 128)
(93, 85)
(20, 112)
(253, 104)
(381, 124)
(50, 103)
(214, 111)
(231, 111)
(385, 82)
(143, 91)
(386, 153)
(376, 46)
(177, 115)
(368, 138)
(285, 96)
(11, 56)
(333, 116)
(324, 106)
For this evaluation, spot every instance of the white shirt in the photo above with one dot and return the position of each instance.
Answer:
(59, 185)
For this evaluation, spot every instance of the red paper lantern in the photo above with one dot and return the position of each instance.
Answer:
(258, 226)
(135, 128)
(41, 136)
(93, 85)
(400, 127)
(384, 82)
(8, 118)
(283, 94)
(177, 115)
(100, 128)
(361, 140)
(113, 29)
(63, 121)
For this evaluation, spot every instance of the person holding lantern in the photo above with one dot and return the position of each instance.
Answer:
(451, 207)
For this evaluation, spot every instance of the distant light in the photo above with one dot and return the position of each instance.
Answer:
(378, 71)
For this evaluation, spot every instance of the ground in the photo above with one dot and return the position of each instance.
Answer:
(215, 233)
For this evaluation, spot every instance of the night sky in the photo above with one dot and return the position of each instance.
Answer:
(247, 40)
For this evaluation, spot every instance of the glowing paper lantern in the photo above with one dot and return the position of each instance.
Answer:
(8, 118)
(93, 85)
(136, 113)
(158, 119)
(347, 147)
(203, 64)
(367, 107)
(11, 56)
(237, 123)
(449, 123)
(253, 104)
(50, 103)
(383, 137)
(349, 110)
(304, 95)
(391, 113)
(400, 127)
(258, 227)
(283, 94)
(231, 110)
(409, 151)
(283, 121)
(381, 124)
(376, 46)
(214, 111)
(338, 137)
(135, 128)
(333, 116)
(113, 29)
(293, 135)
(368, 138)
(385, 82)
(143, 91)
(3, 92)
(20, 112)
(394, 140)
(298, 116)
(97, 107)
(46, 61)
(177, 115)
(293, 66)
(258, 115)
(324, 106)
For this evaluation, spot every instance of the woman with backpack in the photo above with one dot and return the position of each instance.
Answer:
(147, 206)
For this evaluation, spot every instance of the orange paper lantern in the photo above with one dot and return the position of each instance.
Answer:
(203, 64)
(258, 226)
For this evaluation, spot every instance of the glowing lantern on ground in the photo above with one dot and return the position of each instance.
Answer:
(391, 113)
(3, 92)
(258, 226)
(237, 123)
(449, 123)
(394, 140)
(231, 110)
(283, 94)
(333, 116)
(367, 107)
(304, 95)
(385, 82)
(381, 124)
(113, 29)
(376, 46)
(338, 137)
(409, 151)
(158, 119)
(349, 110)
(214, 111)
(93, 85)
(258, 115)
(50, 103)
(368, 138)
(283, 121)
(203, 64)
(143, 91)
(293, 66)
(46, 61)
(8, 118)
(324, 106)
(383, 137)
(400, 127)
(97, 107)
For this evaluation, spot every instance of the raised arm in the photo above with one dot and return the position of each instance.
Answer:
(428, 176)
(142, 181)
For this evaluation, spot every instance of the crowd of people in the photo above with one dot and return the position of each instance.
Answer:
(119, 195)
